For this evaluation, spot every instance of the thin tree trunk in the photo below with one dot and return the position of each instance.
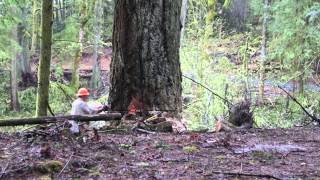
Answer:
(35, 26)
(45, 59)
(301, 78)
(14, 84)
(95, 79)
(210, 17)
(146, 67)
(25, 58)
(246, 63)
(56, 16)
(75, 80)
(62, 11)
(184, 10)
(263, 50)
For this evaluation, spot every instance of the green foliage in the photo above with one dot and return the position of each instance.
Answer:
(293, 40)
(4, 92)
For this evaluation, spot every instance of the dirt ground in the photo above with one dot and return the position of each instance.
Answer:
(255, 154)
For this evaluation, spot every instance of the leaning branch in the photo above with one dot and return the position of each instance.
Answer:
(204, 86)
(47, 120)
(303, 108)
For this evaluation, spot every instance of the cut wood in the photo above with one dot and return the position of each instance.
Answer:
(47, 120)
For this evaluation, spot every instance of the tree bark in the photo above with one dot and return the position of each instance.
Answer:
(14, 84)
(75, 79)
(263, 50)
(56, 15)
(24, 59)
(184, 10)
(146, 41)
(34, 26)
(45, 58)
(210, 17)
(96, 73)
(62, 11)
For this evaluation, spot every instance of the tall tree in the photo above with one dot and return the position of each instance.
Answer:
(263, 50)
(14, 77)
(184, 10)
(95, 79)
(23, 40)
(45, 59)
(146, 67)
(35, 25)
(75, 79)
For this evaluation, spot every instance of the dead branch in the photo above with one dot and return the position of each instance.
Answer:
(48, 120)
(246, 174)
(204, 86)
(65, 165)
(303, 108)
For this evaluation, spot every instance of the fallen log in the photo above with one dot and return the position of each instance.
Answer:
(47, 120)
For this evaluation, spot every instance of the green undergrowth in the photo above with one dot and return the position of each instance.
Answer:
(218, 73)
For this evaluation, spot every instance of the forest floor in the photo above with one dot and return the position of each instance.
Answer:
(257, 153)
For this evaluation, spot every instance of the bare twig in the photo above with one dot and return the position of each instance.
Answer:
(303, 108)
(207, 88)
(144, 131)
(65, 165)
(3, 171)
(66, 94)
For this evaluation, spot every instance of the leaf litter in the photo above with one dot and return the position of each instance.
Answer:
(257, 153)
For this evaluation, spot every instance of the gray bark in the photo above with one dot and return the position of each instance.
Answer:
(96, 78)
(24, 60)
(263, 50)
(14, 84)
(184, 10)
(146, 41)
(45, 59)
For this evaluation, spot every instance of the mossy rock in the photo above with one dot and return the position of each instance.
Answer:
(49, 167)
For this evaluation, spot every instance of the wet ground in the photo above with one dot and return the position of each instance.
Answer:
(255, 154)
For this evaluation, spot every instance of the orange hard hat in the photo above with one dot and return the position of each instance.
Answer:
(83, 92)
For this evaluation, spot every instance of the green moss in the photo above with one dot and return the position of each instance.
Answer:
(190, 149)
(262, 156)
(49, 167)
(46, 177)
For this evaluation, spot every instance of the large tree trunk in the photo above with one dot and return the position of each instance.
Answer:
(146, 40)
(45, 58)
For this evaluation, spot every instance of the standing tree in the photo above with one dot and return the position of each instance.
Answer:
(145, 66)
(34, 26)
(96, 73)
(263, 50)
(14, 79)
(45, 58)
(75, 79)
